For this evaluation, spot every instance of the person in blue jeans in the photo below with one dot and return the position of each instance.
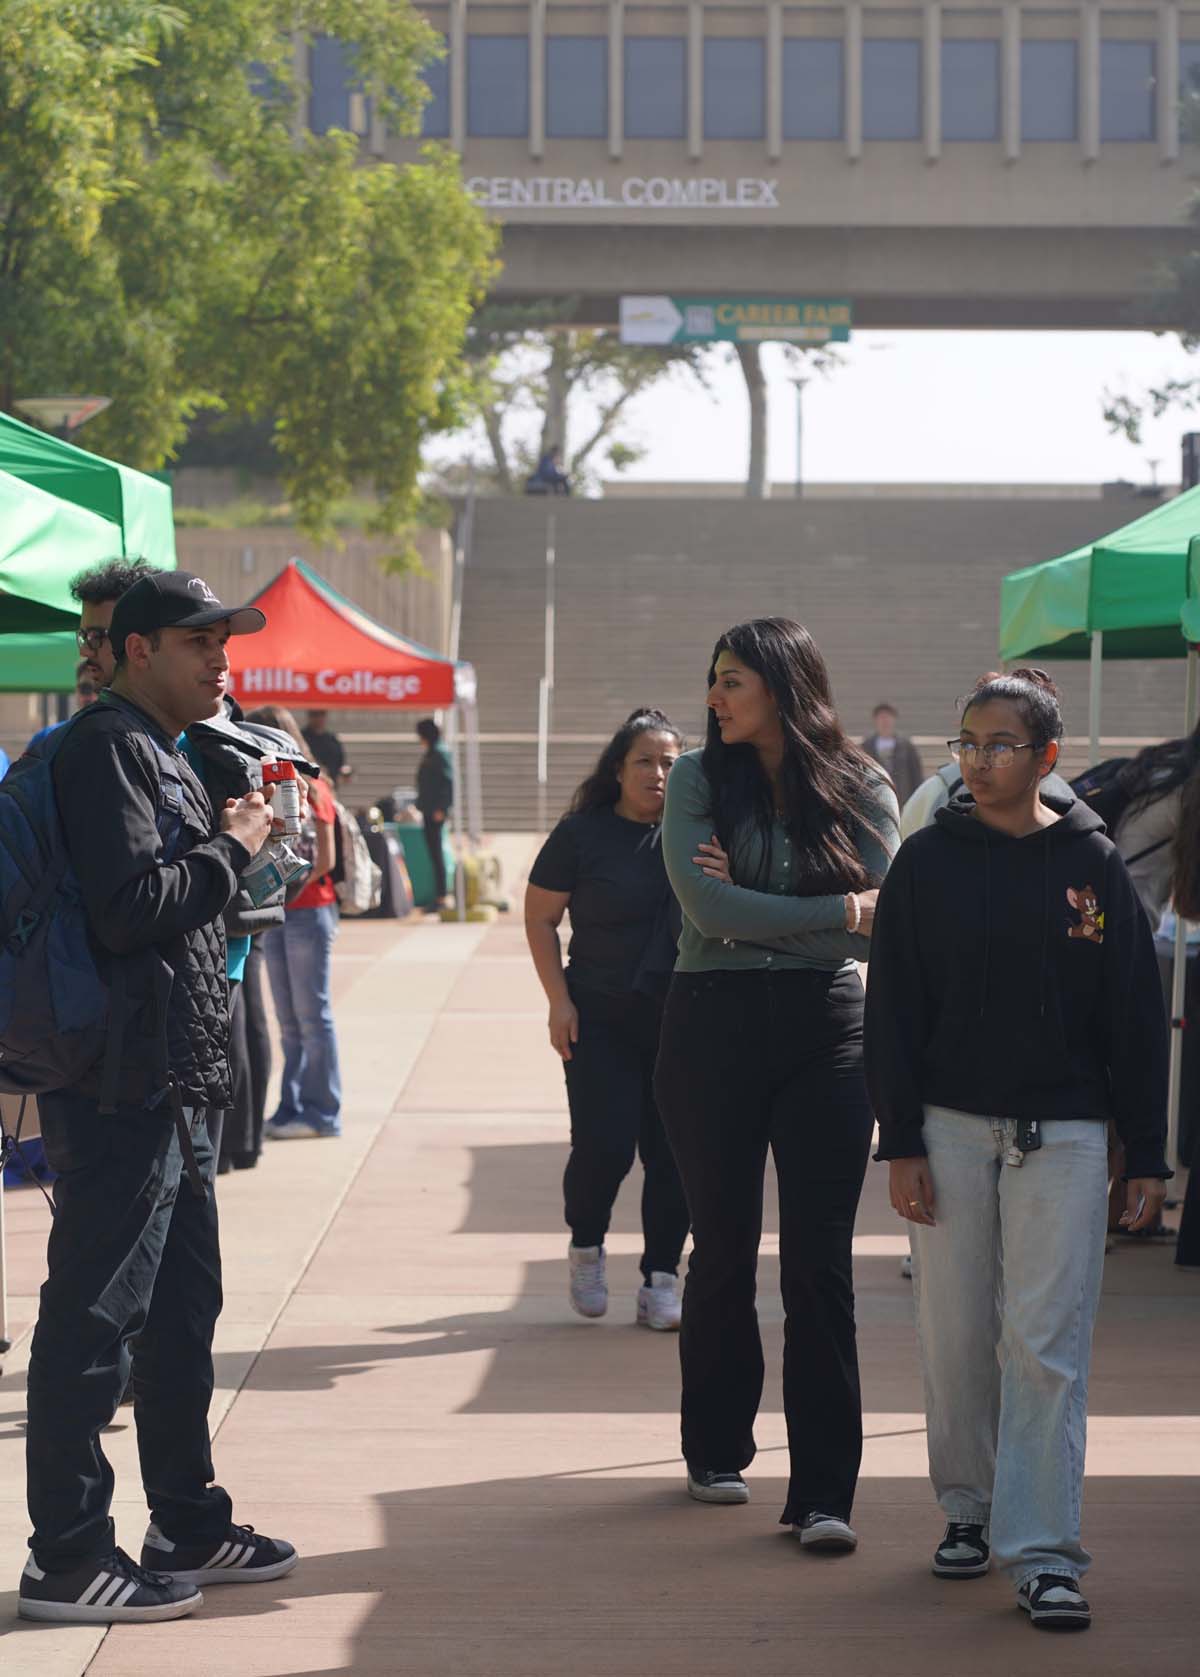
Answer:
(299, 956)
(1013, 1009)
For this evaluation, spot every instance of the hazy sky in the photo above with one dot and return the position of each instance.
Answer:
(1015, 407)
(1018, 407)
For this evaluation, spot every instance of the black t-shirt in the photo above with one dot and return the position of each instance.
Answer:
(614, 872)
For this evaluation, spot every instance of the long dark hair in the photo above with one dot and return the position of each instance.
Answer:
(602, 786)
(824, 777)
(1154, 773)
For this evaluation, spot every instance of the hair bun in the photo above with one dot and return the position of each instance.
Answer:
(648, 711)
(1037, 678)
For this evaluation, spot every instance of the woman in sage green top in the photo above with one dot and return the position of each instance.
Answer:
(776, 837)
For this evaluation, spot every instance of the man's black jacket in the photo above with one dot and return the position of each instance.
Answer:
(156, 925)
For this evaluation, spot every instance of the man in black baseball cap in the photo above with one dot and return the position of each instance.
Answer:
(135, 1248)
(168, 635)
(176, 600)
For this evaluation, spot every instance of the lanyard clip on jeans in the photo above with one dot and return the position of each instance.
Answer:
(1027, 1138)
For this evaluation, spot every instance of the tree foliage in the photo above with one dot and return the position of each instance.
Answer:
(173, 237)
(529, 368)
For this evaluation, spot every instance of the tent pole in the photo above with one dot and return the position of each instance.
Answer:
(1179, 969)
(460, 882)
(1095, 673)
(474, 775)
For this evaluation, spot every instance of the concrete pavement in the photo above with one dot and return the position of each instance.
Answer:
(482, 1484)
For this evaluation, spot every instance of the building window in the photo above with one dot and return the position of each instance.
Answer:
(891, 90)
(498, 86)
(1189, 68)
(1127, 90)
(336, 98)
(576, 87)
(812, 89)
(1049, 90)
(435, 115)
(734, 86)
(970, 90)
(655, 87)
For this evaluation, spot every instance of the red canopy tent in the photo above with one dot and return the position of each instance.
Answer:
(322, 652)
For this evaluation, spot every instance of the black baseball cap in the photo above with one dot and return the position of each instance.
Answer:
(175, 600)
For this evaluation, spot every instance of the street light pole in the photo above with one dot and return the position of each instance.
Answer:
(799, 384)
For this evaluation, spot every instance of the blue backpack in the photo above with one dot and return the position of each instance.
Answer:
(57, 1014)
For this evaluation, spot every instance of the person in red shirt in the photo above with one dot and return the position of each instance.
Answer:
(299, 957)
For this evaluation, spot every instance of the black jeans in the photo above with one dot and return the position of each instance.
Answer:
(132, 1251)
(751, 1060)
(252, 1007)
(610, 1089)
(437, 855)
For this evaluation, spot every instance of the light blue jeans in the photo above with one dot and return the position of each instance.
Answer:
(299, 955)
(1007, 1286)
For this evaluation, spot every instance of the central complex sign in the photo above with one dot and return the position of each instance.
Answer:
(696, 320)
(629, 192)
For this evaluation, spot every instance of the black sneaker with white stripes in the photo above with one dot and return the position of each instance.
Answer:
(110, 1591)
(241, 1556)
(963, 1552)
(1054, 1602)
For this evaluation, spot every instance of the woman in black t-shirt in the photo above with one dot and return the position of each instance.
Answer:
(604, 862)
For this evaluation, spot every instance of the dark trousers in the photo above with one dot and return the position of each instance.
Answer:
(437, 854)
(132, 1251)
(751, 1060)
(253, 1010)
(614, 1117)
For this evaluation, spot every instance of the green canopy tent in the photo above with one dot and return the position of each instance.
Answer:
(43, 542)
(139, 506)
(1119, 597)
(61, 510)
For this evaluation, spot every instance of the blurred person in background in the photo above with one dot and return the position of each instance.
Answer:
(895, 754)
(299, 956)
(435, 798)
(324, 746)
(603, 865)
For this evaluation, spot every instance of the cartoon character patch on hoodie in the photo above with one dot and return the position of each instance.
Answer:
(1086, 904)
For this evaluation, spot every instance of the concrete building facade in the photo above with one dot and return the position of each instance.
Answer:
(940, 165)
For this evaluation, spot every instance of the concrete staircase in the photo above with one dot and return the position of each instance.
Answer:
(902, 596)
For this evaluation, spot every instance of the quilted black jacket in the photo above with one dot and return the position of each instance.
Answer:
(157, 924)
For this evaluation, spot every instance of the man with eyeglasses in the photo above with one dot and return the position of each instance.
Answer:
(98, 591)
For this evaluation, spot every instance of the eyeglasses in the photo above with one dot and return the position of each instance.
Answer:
(998, 755)
(90, 640)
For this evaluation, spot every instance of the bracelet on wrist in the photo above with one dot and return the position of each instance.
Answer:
(855, 913)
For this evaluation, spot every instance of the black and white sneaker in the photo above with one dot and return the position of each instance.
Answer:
(717, 1487)
(110, 1591)
(242, 1556)
(963, 1552)
(827, 1532)
(1054, 1602)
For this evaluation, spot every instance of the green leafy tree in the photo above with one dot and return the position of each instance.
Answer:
(528, 368)
(173, 237)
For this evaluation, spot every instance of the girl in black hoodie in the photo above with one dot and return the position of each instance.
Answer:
(1013, 1008)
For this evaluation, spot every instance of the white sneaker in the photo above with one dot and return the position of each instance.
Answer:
(589, 1286)
(658, 1304)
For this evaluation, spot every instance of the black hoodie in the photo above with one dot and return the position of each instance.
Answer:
(1015, 978)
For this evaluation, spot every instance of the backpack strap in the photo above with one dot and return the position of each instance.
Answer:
(1149, 851)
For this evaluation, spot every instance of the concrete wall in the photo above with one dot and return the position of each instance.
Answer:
(902, 596)
(925, 231)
